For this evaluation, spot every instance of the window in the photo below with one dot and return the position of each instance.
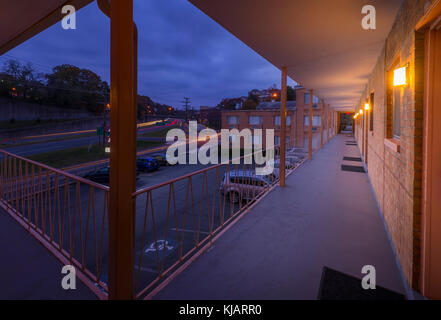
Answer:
(316, 121)
(277, 121)
(306, 98)
(255, 120)
(287, 140)
(394, 101)
(232, 120)
(371, 113)
(276, 140)
(396, 121)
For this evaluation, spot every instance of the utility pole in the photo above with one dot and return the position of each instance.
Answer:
(186, 103)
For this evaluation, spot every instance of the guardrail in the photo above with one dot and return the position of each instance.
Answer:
(66, 213)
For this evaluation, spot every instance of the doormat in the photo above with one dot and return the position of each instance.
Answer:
(352, 168)
(336, 285)
(352, 159)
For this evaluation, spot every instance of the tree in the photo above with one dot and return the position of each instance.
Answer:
(228, 104)
(290, 94)
(254, 98)
(249, 104)
(20, 78)
(77, 88)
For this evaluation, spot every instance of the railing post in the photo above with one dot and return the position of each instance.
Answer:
(311, 115)
(283, 99)
(123, 150)
(322, 123)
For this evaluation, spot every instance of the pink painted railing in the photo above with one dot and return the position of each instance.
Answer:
(66, 213)
(175, 220)
(178, 219)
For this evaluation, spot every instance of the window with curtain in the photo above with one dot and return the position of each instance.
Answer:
(396, 112)
(316, 121)
(306, 98)
(256, 120)
(277, 121)
(371, 113)
(232, 119)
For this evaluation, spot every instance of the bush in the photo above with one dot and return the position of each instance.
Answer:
(12, 120)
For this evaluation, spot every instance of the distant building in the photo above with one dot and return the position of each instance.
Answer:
(267, 116)
(210, 116)
(266, 95)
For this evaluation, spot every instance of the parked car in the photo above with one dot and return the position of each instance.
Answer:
(147, 164)
(161, 158)
(244, 184)
(101, 175)
(289, 165)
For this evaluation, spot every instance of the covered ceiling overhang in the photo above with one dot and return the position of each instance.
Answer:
(20, 20)
(321, 42)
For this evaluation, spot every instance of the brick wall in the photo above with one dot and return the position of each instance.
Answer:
(268, 117)
(297, 131)
(396, 176)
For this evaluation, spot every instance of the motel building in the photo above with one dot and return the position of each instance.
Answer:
(363, 200)
(267, 116)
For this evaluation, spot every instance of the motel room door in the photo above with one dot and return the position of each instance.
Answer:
(431, 208)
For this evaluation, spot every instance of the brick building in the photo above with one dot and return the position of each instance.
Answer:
(267, 116)
(397, 140)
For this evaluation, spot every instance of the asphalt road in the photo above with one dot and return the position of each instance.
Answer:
(41, 146)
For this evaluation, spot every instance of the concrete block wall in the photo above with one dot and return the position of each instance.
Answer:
(396, 176)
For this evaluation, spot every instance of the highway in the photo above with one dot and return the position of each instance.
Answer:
(71, 141)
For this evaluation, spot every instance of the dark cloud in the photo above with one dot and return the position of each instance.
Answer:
(182, 52)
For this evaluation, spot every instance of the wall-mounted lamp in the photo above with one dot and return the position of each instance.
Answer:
(367, 106)
(361, 111)
(400, 76)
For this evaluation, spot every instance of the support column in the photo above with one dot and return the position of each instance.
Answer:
(311, 114)
(322, 124)
(333, 123)
(283, 99)
(328, 111)
(123, 78)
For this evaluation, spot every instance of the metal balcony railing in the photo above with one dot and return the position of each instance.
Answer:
(175, 221)
(66, 213)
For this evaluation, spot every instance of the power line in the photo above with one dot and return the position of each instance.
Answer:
(186, 104)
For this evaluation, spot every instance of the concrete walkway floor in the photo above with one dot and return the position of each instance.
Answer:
(28, 270)
(324, 217)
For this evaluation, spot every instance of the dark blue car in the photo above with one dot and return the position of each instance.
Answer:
(102, 175)
(147, 164)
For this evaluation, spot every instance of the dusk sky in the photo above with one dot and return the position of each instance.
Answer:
(182, 53)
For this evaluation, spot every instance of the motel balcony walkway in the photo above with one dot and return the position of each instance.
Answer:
(277, 250)
(325, 217)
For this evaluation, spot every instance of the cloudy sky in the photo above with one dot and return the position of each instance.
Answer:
(182, 53)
